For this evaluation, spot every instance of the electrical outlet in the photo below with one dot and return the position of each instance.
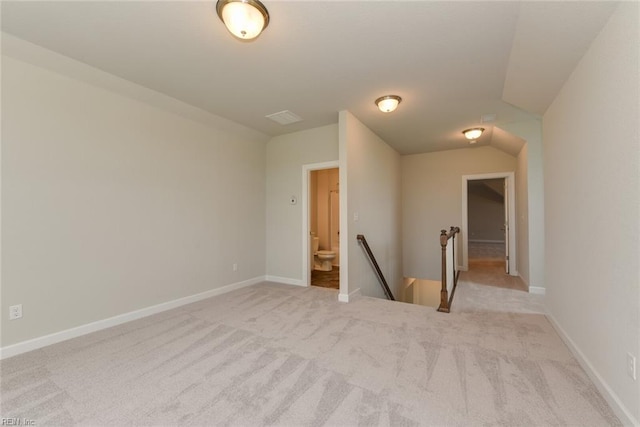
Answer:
(631, 365)
(235, 267)
(15, 312)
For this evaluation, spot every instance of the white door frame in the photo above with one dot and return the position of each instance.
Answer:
(306, 172)
(511, 220)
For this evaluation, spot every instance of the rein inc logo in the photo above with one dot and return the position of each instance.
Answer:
(17, 422)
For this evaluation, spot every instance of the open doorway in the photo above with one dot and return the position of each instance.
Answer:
(321, 225)
(324, 227)
(488, 231)
(487, 221)
(498, 192)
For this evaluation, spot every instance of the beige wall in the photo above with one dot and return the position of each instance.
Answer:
(111, 205)
(370, 170)
(592, 176)
(432, 200)
(531, 168)
(522, 214)
(286, 154)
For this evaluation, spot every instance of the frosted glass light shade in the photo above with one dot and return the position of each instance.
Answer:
(245, 19)
(473, 133)
(388, 103)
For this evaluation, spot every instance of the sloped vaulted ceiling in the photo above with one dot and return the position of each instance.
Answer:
(550, 39)
(450, 61)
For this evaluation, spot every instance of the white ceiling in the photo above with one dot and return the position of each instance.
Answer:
(450, 61)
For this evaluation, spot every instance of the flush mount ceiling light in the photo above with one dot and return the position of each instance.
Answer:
(473, 133)
(388, 103)
(245, 19)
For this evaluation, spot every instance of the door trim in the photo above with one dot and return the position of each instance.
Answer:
(306, 171)
(510, 178)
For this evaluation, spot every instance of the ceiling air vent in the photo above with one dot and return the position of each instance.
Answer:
(285, 117)
(488, 118)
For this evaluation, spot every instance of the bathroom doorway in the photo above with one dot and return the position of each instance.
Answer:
(322, 226)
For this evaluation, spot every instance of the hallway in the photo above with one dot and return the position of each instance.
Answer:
(491, 273)
(487, 267)
(484, 287)
(487, 288)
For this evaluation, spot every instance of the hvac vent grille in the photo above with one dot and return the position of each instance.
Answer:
(285, 117)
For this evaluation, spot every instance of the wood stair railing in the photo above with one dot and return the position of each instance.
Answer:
(376, 267)
(448, 257)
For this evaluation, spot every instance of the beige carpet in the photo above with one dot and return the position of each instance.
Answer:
(273, 354)
(492, 273)
(487, 290)
(486, 250)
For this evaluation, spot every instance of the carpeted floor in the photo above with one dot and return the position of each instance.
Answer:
(486, 250)
(477, 293)
(273, 354)
(492, 273)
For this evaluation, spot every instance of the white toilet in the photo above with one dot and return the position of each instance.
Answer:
(322, 260)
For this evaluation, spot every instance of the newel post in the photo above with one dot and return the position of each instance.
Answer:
(444, 295)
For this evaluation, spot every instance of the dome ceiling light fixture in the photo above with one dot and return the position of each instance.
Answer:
(472, 134)
(388, 103)
(245, 19)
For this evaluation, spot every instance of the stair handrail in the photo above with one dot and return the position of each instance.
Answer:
(445, 298)
(372, 259)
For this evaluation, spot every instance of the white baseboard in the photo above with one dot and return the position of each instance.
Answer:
(285, 280)
(36, 343)
(537, 290)
(349, 297)
(610, 396)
